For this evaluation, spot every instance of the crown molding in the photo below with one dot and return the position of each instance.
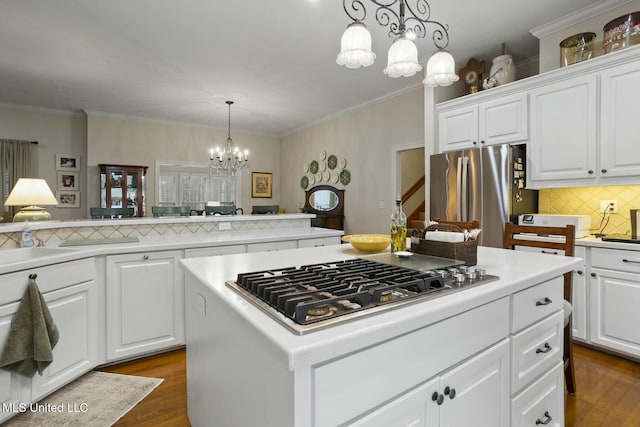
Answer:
(576, 17)
(32, 109)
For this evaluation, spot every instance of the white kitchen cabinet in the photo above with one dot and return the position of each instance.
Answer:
(619, 95)
(320, 241)
(539, 403)
(215, 250)
(145, 303)
(74, 312)
(615, 298)
(272, 246)
(563, 140)
(496, 121)
(476, 393)
(70, 292)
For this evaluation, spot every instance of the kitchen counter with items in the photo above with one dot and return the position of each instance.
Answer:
(463, 356)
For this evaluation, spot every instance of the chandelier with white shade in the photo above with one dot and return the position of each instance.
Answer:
(229, 159)
(410, 21)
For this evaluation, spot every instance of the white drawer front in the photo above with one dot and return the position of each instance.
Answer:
(539, 250)
(322, 241)
(413, 359)
(616, 259)
(214, 251)
(535, 350)
(272, 246)
(542, 402)
(536, 303)
(50, 278)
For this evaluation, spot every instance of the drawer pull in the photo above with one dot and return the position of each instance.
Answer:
(547, 349)
(451, 392)
(580, 272)
(593, 274)
(545, 301)
(550, 252)
(547, 419)
(145, 257)
(630, 260)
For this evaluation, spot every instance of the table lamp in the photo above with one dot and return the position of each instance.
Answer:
(30, 192)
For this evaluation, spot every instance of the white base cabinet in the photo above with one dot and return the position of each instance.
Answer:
(145, 308)
(70, 292)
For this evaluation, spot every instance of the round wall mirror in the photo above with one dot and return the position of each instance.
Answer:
(324, 200)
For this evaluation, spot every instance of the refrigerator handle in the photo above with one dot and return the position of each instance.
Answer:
(459, 189)
(464, 194)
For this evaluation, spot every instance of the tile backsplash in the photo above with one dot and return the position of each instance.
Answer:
(586, 201)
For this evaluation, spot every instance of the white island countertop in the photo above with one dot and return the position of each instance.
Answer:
(517, 270)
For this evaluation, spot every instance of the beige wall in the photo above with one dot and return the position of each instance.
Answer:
(550, 44)
(119, 140)
(56, 133)
(366, 139)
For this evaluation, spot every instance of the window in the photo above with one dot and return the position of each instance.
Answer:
(194, 185)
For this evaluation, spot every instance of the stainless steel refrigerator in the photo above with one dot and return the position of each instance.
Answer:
(487, 184)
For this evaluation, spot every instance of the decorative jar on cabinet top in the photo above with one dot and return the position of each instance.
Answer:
(503, 69)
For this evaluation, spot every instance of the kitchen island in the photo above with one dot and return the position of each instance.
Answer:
(465, 358)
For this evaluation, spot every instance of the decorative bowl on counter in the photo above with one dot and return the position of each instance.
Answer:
(368, 242)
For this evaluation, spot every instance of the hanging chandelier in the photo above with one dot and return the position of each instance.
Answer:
(402, 58)
(229, 159)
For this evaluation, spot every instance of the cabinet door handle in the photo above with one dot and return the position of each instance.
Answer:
(593, 274)
(475, 143)
(145, 257)
(590, 172)
(550, 252)
(482, 142)
(580, 272)
(547, 349)
(603, 171)
(547, 419)
(438, 398)
(33, 276)
(545, 301)
(631, 261)
(451, 392)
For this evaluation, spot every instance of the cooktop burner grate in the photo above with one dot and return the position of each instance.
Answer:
(313, 296)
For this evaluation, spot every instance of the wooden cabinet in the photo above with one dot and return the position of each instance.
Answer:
(327, 203)
(615, 298)
(123, 187)
(563, 132)
(145, 303)
(494, 121)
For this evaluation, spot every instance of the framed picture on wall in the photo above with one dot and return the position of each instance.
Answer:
(261, 184)
(68, 199)
(68, 162)
(68, 181)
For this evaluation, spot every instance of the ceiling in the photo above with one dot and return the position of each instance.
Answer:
(180, 60)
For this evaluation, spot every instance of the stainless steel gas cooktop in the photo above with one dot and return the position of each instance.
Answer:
(312, 297)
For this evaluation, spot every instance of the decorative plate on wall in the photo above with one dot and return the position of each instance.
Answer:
(305, 168)
(335, 178)
(326, 176)
(312, 180)
(323, 155)
(313, 167)
(332, 161)
(323, 166)
(342, 163)
(304, 182)
(319, 177)
(345, 177)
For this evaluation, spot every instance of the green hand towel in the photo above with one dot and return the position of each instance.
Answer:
(33, 335)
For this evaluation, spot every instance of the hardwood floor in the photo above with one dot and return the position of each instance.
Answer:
(608, 391)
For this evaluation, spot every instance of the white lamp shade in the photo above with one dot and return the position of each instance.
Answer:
(355, 47)
(402, 60)
(441, 70)
(31, 191)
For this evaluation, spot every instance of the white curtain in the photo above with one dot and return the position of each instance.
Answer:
(15, 162)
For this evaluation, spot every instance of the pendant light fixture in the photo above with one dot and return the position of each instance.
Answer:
(410, 21)
(229, 159)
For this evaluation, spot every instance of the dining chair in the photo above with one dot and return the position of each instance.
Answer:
(512, 238)
(222, 210)
(170, 210)
(111, 212)
(270, 209)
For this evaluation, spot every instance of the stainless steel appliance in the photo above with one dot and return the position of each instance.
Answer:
(582, 223)
(317, 296)
(487, 184)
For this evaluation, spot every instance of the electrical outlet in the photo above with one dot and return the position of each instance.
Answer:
(610, 206)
